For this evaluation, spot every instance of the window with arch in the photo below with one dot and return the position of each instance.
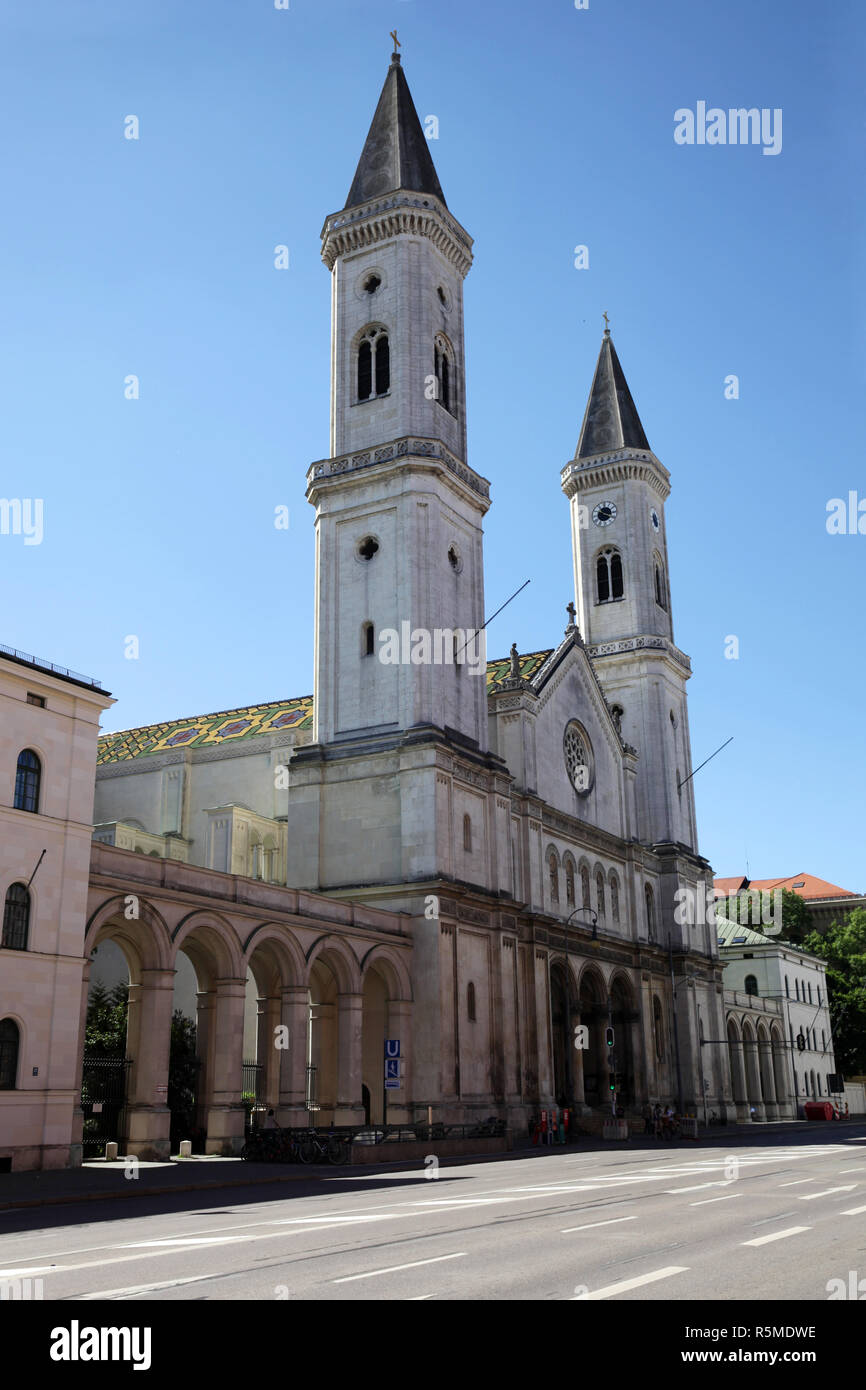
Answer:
(553, 870)
(470, 1002)
(661, 591)
(649, 904)
(810, 991)
(443, 366)
(797, 987)
(608, 576)
(374, 364)
(9, 1041)
(16, 918)
(658, 1029)
(614, 898)
(467, 833)
(28, 777)
(569, 883)
(584, 887)
(368, 639)
(823, 1040)
(599, 894)
(751, 985)
(787, 990)
(820, 1000)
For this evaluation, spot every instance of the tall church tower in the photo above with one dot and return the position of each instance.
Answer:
(398, 512)
(618, 489)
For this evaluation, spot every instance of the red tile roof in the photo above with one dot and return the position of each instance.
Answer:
(807, 885)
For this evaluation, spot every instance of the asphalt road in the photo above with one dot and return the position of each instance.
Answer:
(767, 1220)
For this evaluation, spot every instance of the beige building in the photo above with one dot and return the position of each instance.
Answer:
(49, 721)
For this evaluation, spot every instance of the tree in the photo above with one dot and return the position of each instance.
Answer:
(796, 917)
(183, 1068)
(843, 947)
(105, 1029)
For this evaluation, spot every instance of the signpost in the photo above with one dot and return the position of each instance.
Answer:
(393, 1067)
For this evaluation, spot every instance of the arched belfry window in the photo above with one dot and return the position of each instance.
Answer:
(569, 883)
(368, 639)
(470, 1002)
(608, 575)
(16, 918)
(8, 1054)
(467, 833)
(599, 894)
(751, 985)
(584, 887)
(28, 776)
(443, 366)
(374, 364)
(661, 590)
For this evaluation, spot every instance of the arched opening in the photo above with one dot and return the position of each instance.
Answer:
(16, 918)
(9, 1046)
(592, 1011)
(624, 1017)
(28, 779)
(322, 1045)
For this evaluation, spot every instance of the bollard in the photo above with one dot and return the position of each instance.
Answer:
(186, 1148)
(110, 1152)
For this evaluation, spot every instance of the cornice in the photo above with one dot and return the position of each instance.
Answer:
(622, 465)
(406, 449)
(412, 214)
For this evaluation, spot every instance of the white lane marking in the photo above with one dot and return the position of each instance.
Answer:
(854, 1211)
(135, 1289)
(183, 1240)
(613, 1289)
(777, 1235)
(395, 1269)
(699, 1187)
(420, 1297)
(32, 1269)
(767, 1219)
(614, 1220)
(810, 1196)
(706, 1201)
(798, 1182)
(852, 1170)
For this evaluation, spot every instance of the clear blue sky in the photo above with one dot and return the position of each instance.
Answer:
(155, 257)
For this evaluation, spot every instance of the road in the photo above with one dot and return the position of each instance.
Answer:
(776, 1219)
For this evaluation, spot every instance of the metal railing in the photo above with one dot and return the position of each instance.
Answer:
(51, 666)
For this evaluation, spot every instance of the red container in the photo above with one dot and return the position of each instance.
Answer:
(818, 1110)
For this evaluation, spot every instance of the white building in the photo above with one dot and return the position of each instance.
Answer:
(781, 1061)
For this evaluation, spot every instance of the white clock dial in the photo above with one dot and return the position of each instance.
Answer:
(603, 513)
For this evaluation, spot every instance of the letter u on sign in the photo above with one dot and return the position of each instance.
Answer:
(392, 1047)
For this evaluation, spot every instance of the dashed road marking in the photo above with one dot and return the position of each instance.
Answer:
(395, 1269)
(613, 1289)
(777, 1235)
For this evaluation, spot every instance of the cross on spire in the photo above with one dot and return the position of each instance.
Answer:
(397, 43)
(606, 323)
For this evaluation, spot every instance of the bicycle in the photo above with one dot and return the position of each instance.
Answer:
(314, 1147)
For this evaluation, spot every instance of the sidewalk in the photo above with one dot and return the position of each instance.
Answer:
(101, 1181)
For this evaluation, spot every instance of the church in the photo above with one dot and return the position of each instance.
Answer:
(479, 860)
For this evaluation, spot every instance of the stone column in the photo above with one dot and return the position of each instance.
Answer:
(349, 1110)
(205, 1001)
(148, 1043)
(267, 1054)
(784, 1100)
(753, 1080)
(293, 1059)
(738, 1080)
(225, 1113)
(768, 1080)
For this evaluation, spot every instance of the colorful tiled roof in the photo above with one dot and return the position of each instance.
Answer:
(250, 721)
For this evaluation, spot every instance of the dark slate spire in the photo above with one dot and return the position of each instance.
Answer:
(396, 154)
(611, 420)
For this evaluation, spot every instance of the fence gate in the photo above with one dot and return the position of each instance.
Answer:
(103, 1100)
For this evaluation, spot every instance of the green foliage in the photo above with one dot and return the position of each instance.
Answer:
(796, 917)
(105, 1030)
(843, 947)
(182, 1073)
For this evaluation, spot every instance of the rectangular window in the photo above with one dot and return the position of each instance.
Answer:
(35, 699)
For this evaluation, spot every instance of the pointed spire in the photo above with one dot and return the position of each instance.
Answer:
(396, 154)
(611, 420)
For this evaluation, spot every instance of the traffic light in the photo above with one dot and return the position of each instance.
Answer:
(611, 1083)
(608, 1037)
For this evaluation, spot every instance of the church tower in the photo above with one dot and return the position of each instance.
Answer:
(399, 582)
(618, 489)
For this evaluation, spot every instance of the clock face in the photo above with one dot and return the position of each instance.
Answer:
(604, 513)
(654, 518)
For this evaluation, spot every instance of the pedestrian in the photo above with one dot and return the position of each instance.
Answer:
(270, 1121)
(647, 1119)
